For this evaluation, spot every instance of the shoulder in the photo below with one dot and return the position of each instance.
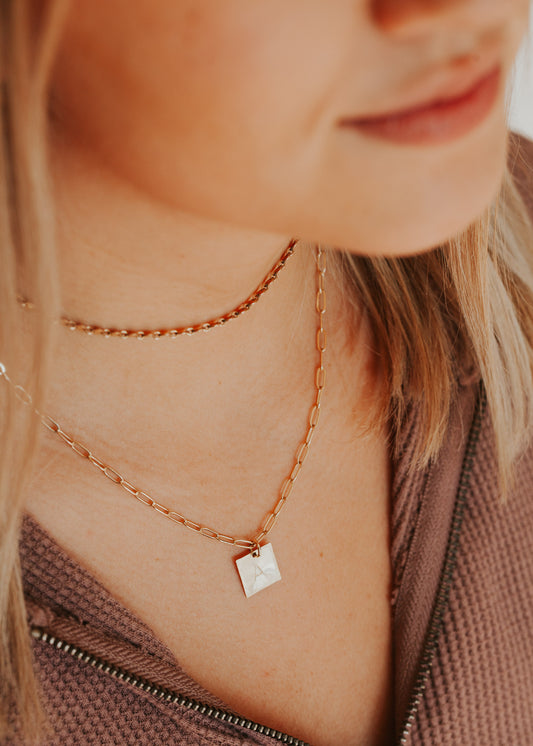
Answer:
(521, 165)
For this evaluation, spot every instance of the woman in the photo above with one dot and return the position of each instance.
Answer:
(161, 159)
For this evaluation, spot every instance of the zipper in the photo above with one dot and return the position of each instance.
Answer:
(428, 651)
(160, 692)
(445, 579)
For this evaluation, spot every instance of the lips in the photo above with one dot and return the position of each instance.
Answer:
(450, 111)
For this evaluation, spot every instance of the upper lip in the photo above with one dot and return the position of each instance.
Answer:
(447, 83)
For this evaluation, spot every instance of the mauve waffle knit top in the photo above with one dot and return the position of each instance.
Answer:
(462, 611)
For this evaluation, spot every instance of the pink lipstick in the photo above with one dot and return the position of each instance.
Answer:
(439, 121)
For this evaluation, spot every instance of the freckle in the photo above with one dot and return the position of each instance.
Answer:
(321, 554)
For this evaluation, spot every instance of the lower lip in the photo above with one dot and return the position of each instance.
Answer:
(438, 123)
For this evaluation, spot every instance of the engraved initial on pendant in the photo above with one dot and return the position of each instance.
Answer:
(258, 572)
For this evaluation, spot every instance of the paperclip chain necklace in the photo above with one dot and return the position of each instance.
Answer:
(258, 568)
(104, 331)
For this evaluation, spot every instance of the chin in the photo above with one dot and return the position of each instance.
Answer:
(459, 202)
(414, 231)
(418, 234)
(439, 200)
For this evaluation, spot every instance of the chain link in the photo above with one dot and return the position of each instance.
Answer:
(302, 451)
(103, 331)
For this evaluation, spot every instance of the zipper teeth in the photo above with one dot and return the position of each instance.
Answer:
(445, 580)
(160, 692)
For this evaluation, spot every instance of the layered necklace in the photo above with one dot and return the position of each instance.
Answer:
(257, 567)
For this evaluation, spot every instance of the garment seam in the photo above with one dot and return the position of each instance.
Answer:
(441, 601)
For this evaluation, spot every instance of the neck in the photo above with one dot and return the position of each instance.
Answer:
(128, 261)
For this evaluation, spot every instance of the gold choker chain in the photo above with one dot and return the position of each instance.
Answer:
(105, 331)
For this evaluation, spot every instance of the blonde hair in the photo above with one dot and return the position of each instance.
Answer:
(26, 250)
(471, 299)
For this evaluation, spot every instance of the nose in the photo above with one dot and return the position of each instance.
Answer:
(410, 18)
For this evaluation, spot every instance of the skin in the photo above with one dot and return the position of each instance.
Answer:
(248, 96)
(190, 140)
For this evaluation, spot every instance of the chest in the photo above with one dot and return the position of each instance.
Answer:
(310, 655)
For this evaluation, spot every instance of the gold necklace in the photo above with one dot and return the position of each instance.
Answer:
(105, 331)
(258, 567)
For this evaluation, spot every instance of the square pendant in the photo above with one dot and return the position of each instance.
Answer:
(259, 572)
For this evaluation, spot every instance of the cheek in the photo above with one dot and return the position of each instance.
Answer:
(203, 103)
(243, 94)
(250, 77)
